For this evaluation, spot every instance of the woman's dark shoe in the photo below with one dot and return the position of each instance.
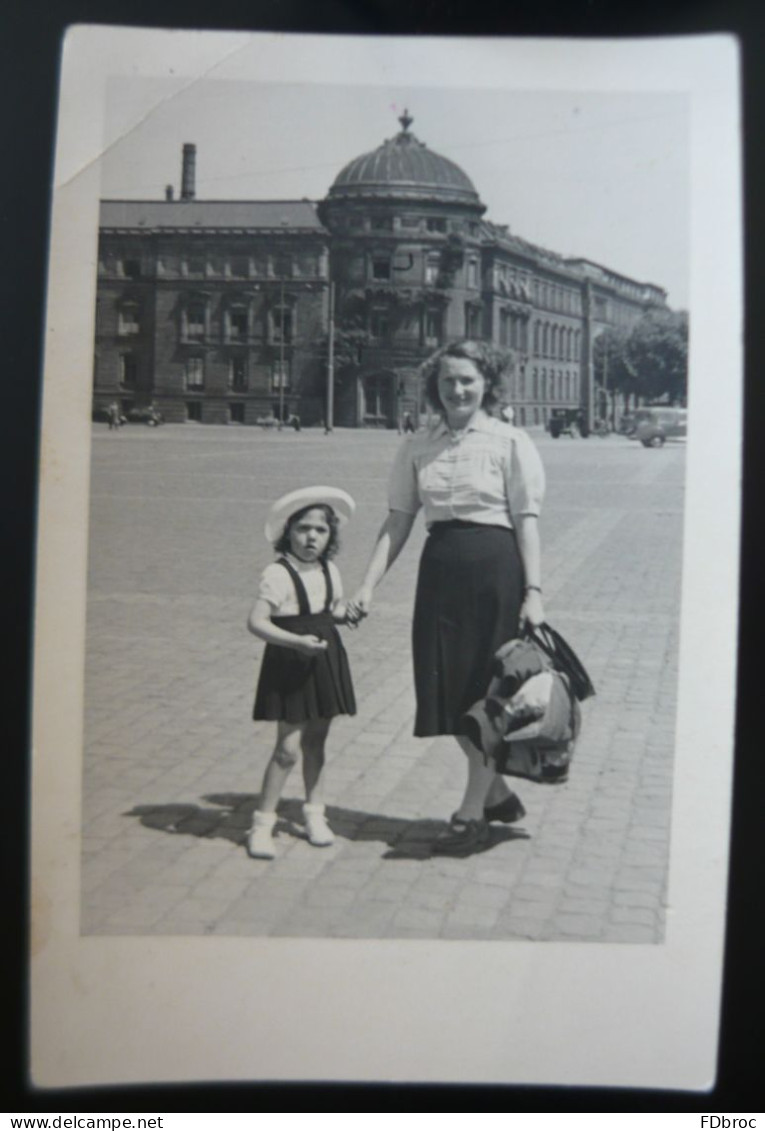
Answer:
(508, 811)
(461, 838)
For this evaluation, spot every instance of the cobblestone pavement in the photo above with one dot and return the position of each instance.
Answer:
(173, 761)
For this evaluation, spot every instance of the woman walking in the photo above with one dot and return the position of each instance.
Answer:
(480, 482)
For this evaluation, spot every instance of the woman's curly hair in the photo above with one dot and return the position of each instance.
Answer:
(282, 543)
(489, 362)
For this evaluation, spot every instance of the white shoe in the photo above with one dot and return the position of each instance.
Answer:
(260, 838)
(319, 832)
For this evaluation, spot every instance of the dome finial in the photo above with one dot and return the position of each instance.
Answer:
(406, 120)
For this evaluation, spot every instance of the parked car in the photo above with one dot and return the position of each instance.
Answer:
(629, 421)
(146, 414)
(569, 420)
(656, 425)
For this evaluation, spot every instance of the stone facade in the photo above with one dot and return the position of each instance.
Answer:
(218, 311)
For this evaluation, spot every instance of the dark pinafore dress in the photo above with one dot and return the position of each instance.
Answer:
(294, 687)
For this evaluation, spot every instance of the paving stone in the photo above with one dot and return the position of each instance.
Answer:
(171, 671)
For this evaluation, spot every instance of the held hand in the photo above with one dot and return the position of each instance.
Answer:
(532, 610)
(311, 645)
(361, 603)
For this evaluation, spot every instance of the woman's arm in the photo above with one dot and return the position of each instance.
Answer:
(260, 624)
(391, 540)
(527, 533)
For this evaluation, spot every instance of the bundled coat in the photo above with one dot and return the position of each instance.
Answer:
(529, 721)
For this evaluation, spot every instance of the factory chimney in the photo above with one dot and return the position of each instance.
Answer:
(188, 172)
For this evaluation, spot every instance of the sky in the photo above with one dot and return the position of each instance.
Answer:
(604, 176)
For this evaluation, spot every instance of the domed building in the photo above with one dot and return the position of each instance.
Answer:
(223, 311)
(405, 260)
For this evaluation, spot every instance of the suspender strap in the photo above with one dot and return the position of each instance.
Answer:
(304, 606)
(328, 582)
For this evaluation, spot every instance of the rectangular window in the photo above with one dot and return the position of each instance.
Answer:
(379, 325)
(131, 268)
(472, 273)
(237, 374)
(237, 325)
(128, 321)
(239, 266)
(381, 267)
(436, 224)
(472, 321)
(195, 373)
(282, 266)
(280, 376)
(431, 269)
(355, 221)
(381, 224)
(410, 221)
(282, 324)
(195, 322)
(195, 265)
(307, 265)
(128, 371)
(433, 327)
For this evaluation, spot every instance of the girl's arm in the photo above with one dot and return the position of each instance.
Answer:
(391, 540)
(527, 533)
(260, 624)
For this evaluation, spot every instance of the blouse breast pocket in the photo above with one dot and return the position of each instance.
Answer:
(435, 477)
(480, 476)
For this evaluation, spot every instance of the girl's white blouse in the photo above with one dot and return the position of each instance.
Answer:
(489, 473)
(277, 588)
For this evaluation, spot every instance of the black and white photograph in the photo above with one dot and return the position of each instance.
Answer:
(377, 656)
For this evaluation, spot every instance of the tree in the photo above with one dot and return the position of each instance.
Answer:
(612, 372)
(656, 352)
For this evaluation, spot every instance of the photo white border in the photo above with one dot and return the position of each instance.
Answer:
(138, 1010)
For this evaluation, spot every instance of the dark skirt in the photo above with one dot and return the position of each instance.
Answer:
(294, 687)
(468, 602)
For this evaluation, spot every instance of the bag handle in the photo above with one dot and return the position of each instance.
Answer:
(563, 657)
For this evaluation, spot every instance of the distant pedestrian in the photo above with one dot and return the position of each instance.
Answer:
(305, 678)
(408, 422)
(113, 413)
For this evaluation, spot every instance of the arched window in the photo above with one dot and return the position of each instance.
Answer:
(577, 345)
(554, 342)
(536, 339)
(546, 339)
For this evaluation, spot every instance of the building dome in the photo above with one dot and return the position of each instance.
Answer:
(403, 168)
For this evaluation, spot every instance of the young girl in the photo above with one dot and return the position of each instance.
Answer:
(304, 678)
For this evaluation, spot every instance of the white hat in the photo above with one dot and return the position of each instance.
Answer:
(340, 501)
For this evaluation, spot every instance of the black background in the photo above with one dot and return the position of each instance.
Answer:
(30, 38)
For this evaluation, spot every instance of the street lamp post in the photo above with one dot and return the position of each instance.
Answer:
(281, 355)
(331, 362)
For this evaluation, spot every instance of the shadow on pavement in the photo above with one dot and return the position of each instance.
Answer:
(232, 816)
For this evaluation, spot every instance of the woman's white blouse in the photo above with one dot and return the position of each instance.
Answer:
(276, 586)
(489, 473)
